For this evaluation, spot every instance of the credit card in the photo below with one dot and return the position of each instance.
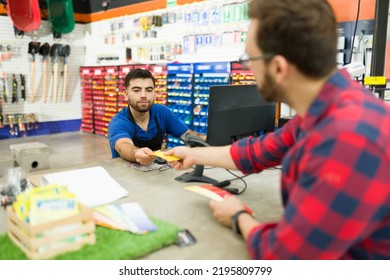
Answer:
(167, 158)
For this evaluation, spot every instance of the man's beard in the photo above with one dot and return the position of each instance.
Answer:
(270, 91)
(140, 108)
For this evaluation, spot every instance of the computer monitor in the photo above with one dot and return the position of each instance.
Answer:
(235, 112)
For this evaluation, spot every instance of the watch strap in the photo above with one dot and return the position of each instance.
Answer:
(234, 221)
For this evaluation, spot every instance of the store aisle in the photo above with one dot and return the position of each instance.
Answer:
(66, 149)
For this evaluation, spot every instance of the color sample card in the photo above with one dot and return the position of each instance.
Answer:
(127, 216)
(214, 193)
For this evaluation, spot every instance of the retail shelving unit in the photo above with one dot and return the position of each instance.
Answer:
(179, 92)
(123, 70)
(101, 99)
(160, 74)
(205, 76)
(86, 99)
(241, 75)
(110, 105)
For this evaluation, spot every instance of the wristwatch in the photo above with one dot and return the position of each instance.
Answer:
(234, 221)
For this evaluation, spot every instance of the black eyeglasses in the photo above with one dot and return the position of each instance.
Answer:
(246, 57)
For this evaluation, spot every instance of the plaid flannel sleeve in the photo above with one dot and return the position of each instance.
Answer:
(336, 202)
(254, 154)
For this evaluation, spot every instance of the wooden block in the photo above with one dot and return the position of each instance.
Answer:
(31, 156)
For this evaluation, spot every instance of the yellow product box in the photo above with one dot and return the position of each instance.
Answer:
(48, 239)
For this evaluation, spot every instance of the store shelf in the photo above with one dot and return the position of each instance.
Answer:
(206, 75)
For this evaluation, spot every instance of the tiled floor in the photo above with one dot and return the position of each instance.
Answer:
(66, 149)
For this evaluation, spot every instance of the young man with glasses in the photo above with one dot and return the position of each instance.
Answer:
(138, 130)
(335, 153)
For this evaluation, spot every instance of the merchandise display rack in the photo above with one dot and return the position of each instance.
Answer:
(86, 99)
(160, 74)
(180, 98)
(241, 75)
(205, 76)
(123, 70)
(104, 98)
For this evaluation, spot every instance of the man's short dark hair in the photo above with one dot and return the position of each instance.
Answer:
(138, 74)
(303, 31)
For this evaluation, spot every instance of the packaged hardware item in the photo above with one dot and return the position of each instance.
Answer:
(15, 183)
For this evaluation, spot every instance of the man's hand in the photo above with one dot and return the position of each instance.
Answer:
(224, 210)
(185, 154)
(202, 136)
(144, 156)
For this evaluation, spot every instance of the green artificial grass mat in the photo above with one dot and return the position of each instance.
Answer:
(110, 244)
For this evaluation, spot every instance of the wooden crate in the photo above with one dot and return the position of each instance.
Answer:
(47, 240)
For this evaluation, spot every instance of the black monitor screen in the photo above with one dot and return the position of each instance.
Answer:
(237, 111)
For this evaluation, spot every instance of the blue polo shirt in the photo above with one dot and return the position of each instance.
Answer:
(121, 127)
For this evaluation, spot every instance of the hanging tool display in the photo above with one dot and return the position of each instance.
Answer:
(8, 55)
(1, 117)
(33, 49)
(29, 124)
(25, 15)
(33, 120)
(1, 113)
(5, 52)
(23, 87)
(61, 16)
(14, 89)
(65, 52)
(4, 80)
(54, 53)
(21, 125)
(44, 50)
(3, 55)
(13, 130)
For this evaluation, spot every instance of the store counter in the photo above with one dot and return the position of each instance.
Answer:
(161, 196)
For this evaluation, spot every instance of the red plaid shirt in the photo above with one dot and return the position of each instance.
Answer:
(335, 178)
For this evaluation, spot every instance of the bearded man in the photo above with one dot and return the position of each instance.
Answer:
(138, 130)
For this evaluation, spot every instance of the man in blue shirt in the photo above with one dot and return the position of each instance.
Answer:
(138, 130)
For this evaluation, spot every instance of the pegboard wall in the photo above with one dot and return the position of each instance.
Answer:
(20, 63)
(207, 31)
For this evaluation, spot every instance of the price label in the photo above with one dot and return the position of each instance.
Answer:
(208, 40)
(205, 18)
(215, 15)
(195, 17)
(158, 69)
(199, 41)
(187, 17)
